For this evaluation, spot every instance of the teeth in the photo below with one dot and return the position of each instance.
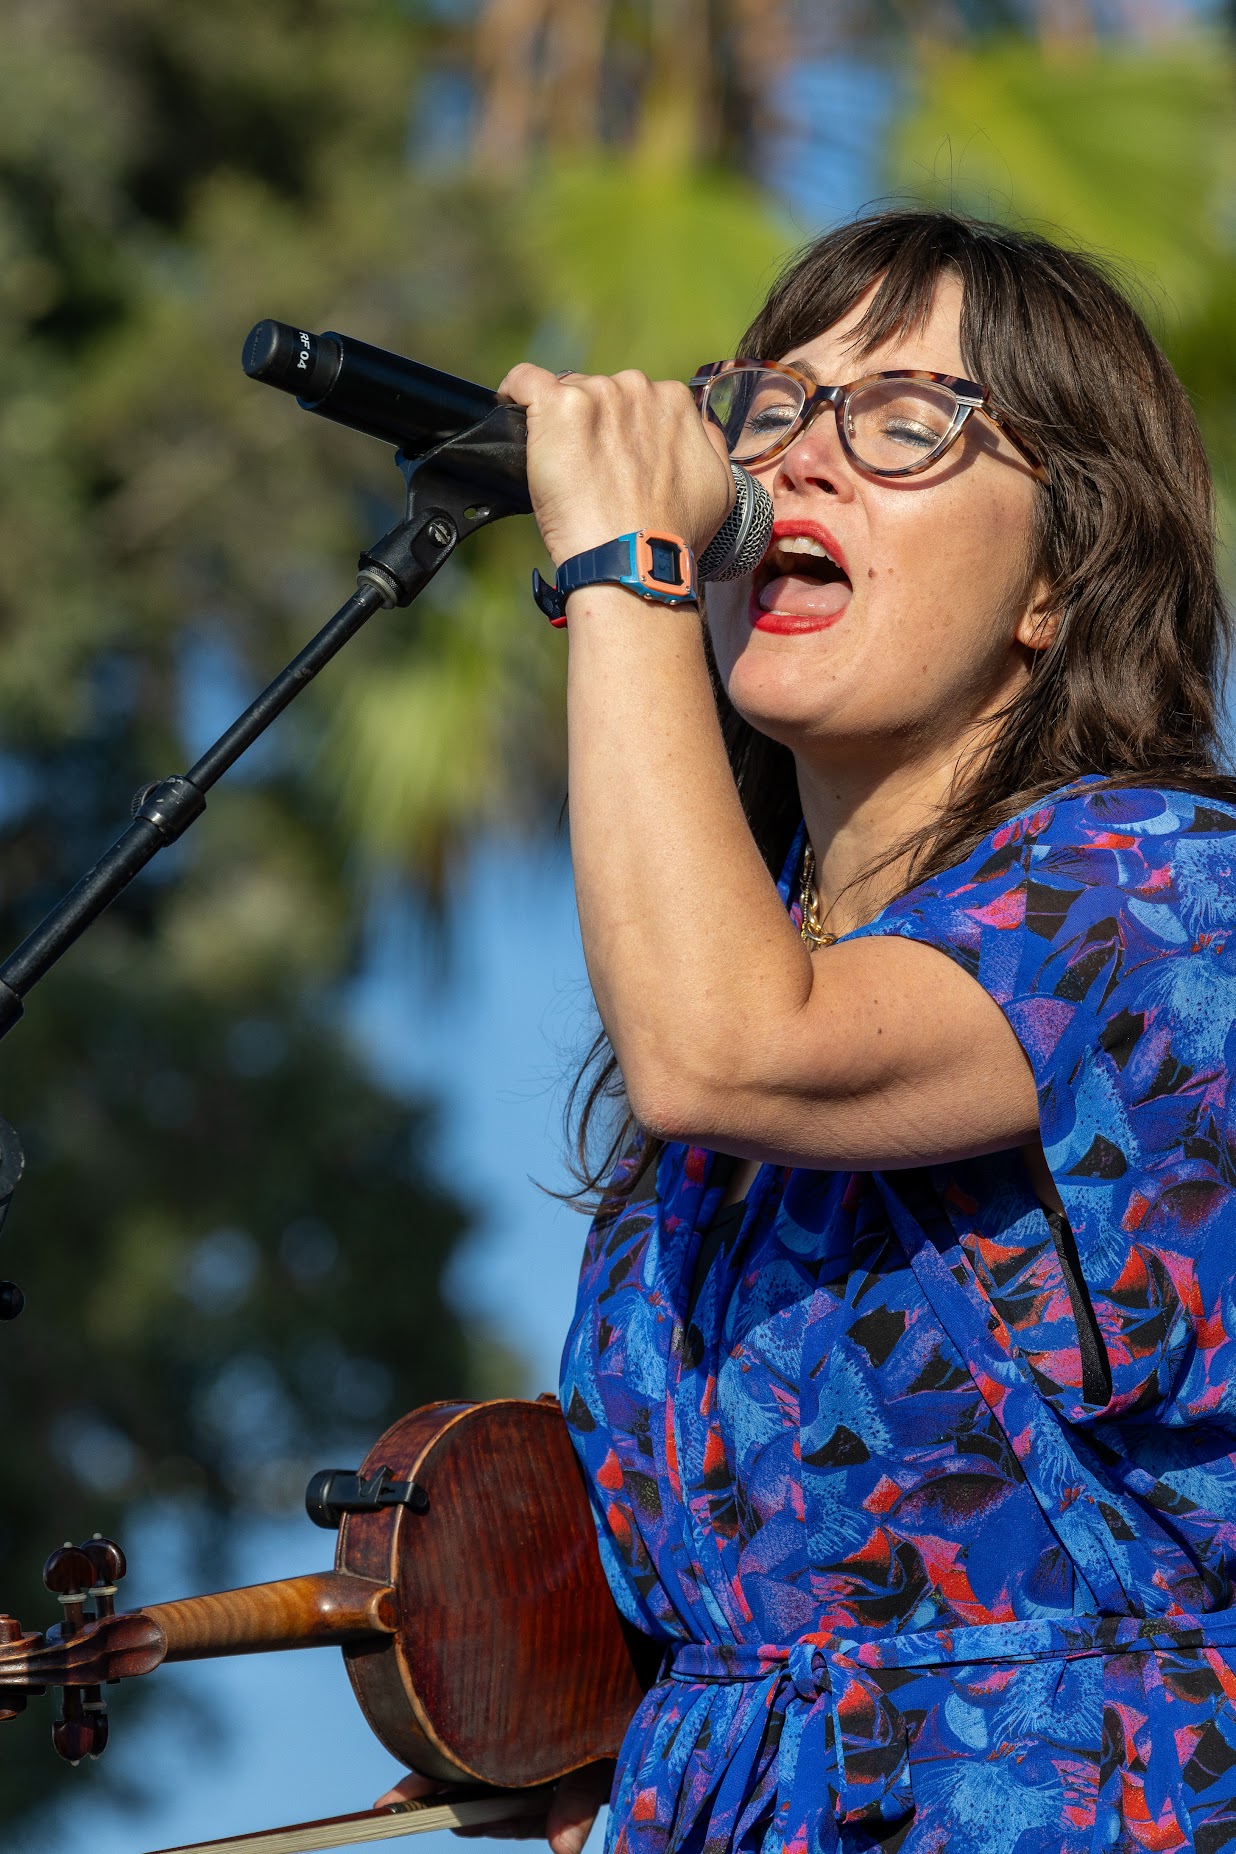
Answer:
(803, 544)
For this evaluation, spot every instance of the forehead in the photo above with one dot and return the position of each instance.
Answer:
(933, 345)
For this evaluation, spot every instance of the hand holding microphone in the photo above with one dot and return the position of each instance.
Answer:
(614, 451)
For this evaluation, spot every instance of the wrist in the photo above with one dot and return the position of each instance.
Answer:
(586, 536)
(652, 564)
(619, 603)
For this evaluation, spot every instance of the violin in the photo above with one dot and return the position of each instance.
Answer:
(467, 1596)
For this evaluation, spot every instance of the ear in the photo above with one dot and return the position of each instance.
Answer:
(1038, 624)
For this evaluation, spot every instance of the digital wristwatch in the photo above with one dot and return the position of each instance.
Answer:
(652, 564)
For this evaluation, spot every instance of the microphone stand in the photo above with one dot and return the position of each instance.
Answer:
(464, 484)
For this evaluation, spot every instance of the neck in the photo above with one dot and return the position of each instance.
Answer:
(857, 816)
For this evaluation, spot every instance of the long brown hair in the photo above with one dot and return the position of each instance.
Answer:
(1130, 686)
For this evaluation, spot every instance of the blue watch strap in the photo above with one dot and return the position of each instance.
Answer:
(650, 563)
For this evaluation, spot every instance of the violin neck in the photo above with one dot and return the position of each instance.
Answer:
(320, 1609)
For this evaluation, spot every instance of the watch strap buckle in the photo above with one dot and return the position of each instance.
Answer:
(551, 601)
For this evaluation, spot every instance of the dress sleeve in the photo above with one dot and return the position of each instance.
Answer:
(1104, 925)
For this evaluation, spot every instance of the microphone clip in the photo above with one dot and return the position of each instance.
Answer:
(464, 484)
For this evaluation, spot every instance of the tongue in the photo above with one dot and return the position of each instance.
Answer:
(802, 597)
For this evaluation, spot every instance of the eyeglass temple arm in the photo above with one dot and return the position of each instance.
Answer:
(1018, 442)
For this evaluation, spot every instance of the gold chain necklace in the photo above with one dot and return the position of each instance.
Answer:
(813, 931)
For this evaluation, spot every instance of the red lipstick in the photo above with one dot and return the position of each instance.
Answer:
(790, 602)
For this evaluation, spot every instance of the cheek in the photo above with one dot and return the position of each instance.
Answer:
(955, 567)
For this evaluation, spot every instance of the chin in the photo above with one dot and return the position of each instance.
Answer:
(784, 686)
(770, 690)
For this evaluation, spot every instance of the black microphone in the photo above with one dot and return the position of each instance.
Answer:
(400, 401)
(416, 408)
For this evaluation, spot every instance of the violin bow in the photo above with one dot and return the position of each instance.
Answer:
(410, 1818)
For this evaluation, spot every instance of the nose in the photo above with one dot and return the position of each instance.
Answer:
(814, 461)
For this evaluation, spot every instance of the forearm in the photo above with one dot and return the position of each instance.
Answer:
(693, 960)
(726, 1030)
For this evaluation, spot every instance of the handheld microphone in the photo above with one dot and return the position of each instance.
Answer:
(416, 408)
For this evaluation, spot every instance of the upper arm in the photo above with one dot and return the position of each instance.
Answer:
(1075, 978)
(898, 1057)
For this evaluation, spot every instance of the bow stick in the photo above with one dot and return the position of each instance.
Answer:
(411, 1818)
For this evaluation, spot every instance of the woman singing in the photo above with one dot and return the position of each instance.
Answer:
(907, 879)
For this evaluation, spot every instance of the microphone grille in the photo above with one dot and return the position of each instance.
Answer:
(741, 541)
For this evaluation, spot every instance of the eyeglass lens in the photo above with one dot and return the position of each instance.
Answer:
(890, 424)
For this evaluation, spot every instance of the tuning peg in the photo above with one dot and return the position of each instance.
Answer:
(109, 1566)
(81, 1729)
(10, 1703)
(69, 1574)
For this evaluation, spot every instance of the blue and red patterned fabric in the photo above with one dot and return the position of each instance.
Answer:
(917, 1590)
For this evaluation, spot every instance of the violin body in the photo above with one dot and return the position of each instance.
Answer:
(467, 1596)
(508, 1663)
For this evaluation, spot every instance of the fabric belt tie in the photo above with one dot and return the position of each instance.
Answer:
(840, 1716)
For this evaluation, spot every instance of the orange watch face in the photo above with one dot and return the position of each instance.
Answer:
(664, 562)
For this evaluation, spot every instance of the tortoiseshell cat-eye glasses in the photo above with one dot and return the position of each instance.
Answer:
(890, 424)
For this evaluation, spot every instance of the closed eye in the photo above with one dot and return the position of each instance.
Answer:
(771, 419)
(909, 432)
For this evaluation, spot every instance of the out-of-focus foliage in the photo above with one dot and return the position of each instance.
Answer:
(232, 1239)
(646, 268)
(1129, 150)
(689, 81)
(239, 165)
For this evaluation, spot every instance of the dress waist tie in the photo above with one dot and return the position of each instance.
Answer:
(840, 1716)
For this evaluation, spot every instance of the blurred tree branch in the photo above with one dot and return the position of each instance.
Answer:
(689, 81)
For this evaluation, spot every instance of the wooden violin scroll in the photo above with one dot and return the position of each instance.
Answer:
(75, 1574)
(510, 1664)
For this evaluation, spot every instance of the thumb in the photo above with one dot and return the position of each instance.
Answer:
(411, 1788)
(570, 1839)
(574, 1807)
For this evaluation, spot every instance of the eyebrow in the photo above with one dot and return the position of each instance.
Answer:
(804, 366)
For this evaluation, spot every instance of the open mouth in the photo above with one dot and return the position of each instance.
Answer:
(798, 586)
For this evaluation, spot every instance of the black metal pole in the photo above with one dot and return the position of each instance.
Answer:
(163, 810)
(463, 485)
(392, 573)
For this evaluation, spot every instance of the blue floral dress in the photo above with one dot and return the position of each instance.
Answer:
(939, 1528)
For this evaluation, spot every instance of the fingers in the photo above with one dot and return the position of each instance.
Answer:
(572, 1810)
(415, 1788)
(409, 1789)
(526, 383)
(566, 1826)
(609, 454)
(570, 1838)
(575, 1806)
